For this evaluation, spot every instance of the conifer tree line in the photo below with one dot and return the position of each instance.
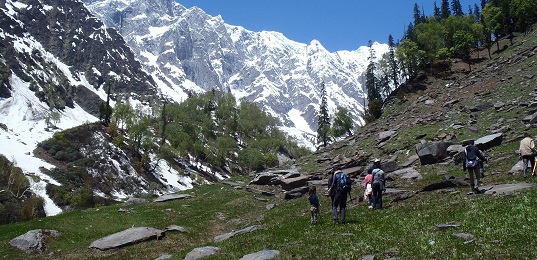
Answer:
(211, 128)
(430, 42)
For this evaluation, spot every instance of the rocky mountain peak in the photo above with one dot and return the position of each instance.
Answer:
(188, 51)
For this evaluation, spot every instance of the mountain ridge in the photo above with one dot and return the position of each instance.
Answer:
(186, 50)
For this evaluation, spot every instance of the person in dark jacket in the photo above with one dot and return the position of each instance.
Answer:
(340, 199)
(314, 204)
(379, 186)
(471, 155)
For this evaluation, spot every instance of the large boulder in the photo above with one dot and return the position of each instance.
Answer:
(34, 240)
(456, 152)
(430, 153)
(264, 178)
(296, 192)
(390, 165)
(292, 183)
(127, 237)
(407, 174)
(489, 141)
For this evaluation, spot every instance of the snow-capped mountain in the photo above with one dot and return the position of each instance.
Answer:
(187, 50)
(56, 58)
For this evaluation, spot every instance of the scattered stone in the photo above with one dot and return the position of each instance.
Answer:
(164, 256)
(223, 237)
(446, 226)
(407, 174)
(508, 188)
(34, 240)
(232, 184)
(450, 182)
(122, 210)
(127, 237)
(409, 161)
(368, 257)
(465, 236)
(451, 103)
(531, 119)
(261, 199)
(168, 197)
(402, 196)
(135, 201)
(270, 206)
(258, 191)
(262, 255)
(385, 136)
(176, 228)
(201, 252)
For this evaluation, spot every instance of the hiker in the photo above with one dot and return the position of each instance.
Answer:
(341, 183)
(471, 156)
(368, 189)
(378, 185)
(376, 164)
(314, 204)
(527, 153)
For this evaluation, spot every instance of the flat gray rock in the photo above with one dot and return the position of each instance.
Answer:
(127, 237)
(200, 252)
(34, 240)
(223, 237)
(172, 197)
(261, 255)
(507, 188)
(446, 226)
(176, 228)
(465, 236)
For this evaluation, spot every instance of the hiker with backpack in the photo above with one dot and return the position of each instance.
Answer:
(527, 153)
(471, 155)
(378, 185)
(341, 185)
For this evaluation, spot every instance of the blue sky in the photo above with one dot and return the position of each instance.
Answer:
(337, 24)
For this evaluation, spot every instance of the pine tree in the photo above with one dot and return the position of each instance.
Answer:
(456, 8)
(417, 15)
(373, 93)
(392, 62)
(445, 9)
(370, 79)
(323, 122)
(437, 13)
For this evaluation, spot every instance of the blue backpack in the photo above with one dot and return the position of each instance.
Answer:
(344, 183)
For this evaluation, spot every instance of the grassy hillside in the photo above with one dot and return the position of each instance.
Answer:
(502, 226)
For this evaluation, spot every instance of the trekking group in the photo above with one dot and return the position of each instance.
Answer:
(339, 183)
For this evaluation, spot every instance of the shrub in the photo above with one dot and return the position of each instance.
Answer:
(32, 208)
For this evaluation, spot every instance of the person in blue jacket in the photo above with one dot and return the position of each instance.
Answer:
(314, 204)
